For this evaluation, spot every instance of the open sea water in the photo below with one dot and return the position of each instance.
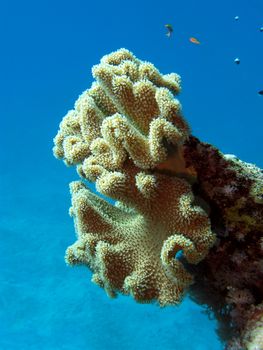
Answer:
(47, 51)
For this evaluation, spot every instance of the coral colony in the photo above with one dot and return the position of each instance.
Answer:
(186, 219)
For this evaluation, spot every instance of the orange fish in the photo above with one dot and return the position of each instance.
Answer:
(194, 41)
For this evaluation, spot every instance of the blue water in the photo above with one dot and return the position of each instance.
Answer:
(47, 51)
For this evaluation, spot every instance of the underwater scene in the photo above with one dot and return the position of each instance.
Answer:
(131, 182)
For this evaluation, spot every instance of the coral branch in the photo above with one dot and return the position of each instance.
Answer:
(133, 252)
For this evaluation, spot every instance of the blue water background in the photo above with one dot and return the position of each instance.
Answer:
(47, 51)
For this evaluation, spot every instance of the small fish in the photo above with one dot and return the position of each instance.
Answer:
(260, 92)
(236, 18)
(194, 41)
(237, 60)
(169, 28)
(261, 29)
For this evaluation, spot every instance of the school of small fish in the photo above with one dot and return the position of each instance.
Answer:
(195, 41)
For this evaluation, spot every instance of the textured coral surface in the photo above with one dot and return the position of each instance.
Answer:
(128, 111)
(122, 134)
(133, 251)
(230, 280)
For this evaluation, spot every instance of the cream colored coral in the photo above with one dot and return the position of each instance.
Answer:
(133, 251)
(124, 132)
(131, 110)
